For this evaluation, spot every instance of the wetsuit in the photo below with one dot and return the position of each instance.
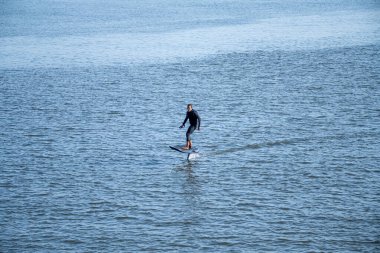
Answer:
(195, 122)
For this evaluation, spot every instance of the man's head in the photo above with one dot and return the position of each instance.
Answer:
(189, 107)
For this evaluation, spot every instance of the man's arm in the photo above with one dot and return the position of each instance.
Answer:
(184, 122)
(199, 120)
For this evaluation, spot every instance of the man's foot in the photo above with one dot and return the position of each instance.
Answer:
(185, 148)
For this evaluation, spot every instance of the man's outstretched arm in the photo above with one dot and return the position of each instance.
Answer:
(184, 122)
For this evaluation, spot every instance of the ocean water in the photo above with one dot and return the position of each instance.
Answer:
(92, 94)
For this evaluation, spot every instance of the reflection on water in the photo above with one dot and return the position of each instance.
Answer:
(191, 184)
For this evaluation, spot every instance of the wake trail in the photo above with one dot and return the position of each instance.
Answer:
(319, 140)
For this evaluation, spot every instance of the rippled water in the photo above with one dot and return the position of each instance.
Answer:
(289, 145)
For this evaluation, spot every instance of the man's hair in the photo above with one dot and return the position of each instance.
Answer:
(190, 105)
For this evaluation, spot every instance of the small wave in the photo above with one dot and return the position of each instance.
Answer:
(73, 241)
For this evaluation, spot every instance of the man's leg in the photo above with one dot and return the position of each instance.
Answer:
(187, 140)
(187, 146)
(190, 130)
(188, 136)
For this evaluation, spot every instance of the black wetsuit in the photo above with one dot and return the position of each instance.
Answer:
(195, 122)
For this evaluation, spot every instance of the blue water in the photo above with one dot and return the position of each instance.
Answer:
(92, 95)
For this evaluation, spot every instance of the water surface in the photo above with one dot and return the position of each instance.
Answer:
(92, 96)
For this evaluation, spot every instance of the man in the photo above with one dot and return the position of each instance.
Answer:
(195, 123)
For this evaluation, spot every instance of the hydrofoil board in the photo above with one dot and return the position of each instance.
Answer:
(186, 151)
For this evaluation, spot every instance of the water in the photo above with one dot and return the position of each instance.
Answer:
(92, 96)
